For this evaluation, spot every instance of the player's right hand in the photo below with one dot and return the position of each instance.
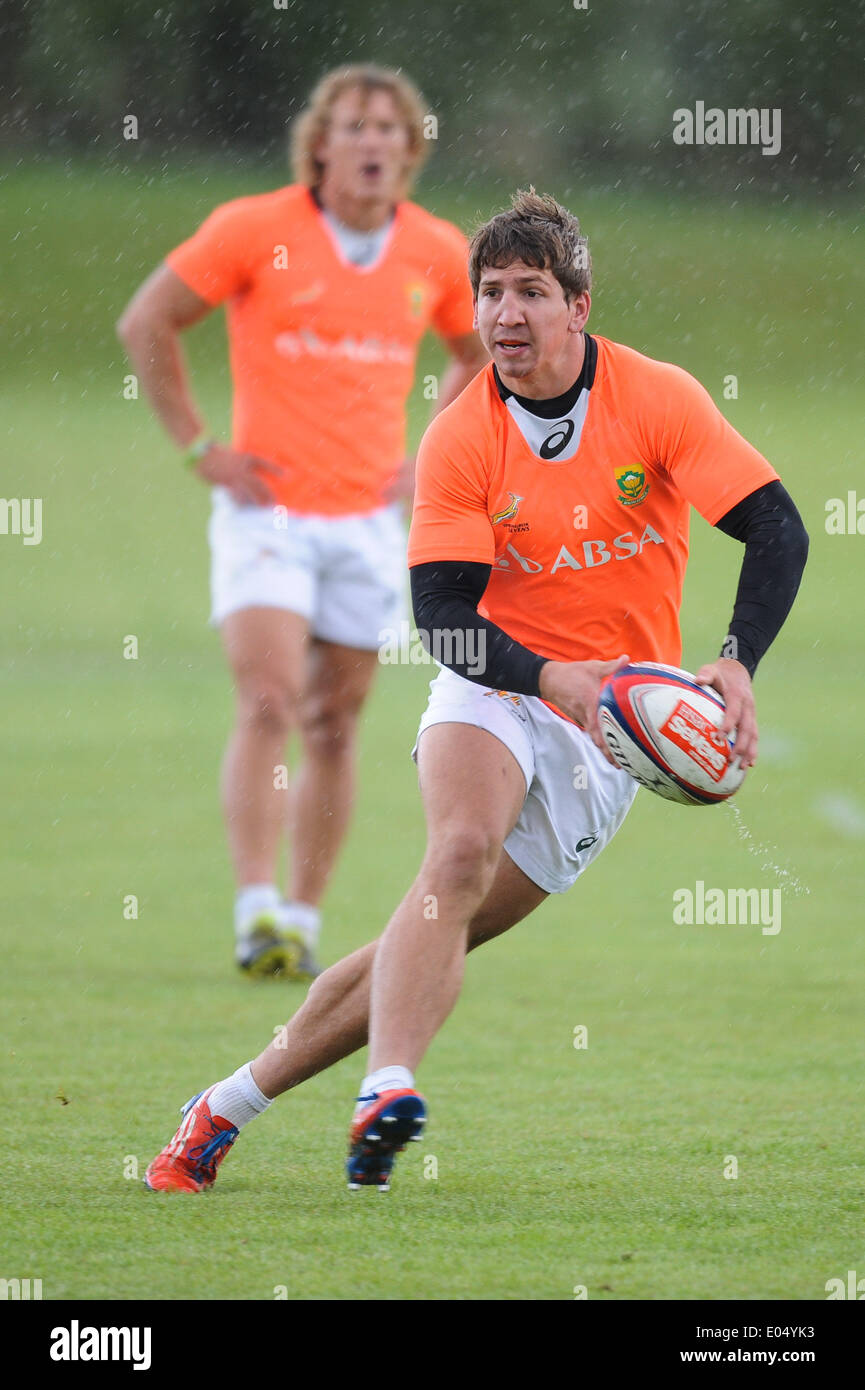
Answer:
(574, 687)
(237, 471)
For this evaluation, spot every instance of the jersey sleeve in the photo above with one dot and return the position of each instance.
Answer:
(450, 520)
(453, 314)
(215, 261)
(710, 463)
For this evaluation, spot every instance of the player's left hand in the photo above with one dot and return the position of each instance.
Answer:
(732, 681)
(402, 487)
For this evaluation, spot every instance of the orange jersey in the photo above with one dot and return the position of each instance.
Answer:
(322, 352)
(588, 554)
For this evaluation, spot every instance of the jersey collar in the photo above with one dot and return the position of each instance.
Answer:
(556, 406)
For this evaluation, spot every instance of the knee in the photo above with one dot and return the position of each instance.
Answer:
(463, 861)
(267, 706)
(329, 725)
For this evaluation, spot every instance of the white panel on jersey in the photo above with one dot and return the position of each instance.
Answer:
(363, 249)
(555, 439)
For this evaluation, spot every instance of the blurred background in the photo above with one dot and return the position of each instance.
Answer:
(732, 263)
(583, 89)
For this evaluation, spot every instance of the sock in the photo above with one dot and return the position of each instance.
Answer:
(303, 916)
(251, 901)
(386, 1079)
(237, 1098)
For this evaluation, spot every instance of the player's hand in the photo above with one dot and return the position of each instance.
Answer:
(732, 681)
(236, 471)
(402, 487)
(574, 687)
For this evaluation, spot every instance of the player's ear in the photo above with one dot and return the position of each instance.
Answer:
(580, 306)
(319, 149)
(475, 315)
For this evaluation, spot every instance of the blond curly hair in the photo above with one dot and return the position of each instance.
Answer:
(311, 124)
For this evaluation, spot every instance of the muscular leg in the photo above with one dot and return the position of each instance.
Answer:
(333, 1021)
(473, 790)
(266, 650)
(322, 794)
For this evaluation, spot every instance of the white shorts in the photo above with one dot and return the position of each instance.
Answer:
(575, 800)
(345, 574)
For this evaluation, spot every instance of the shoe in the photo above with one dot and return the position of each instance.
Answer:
(293, 934)
(268, 952)
(261, 952)
(190, 1161)
(379, 1132)
(301, 964)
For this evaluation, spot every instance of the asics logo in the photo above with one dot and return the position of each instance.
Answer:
(558, 440)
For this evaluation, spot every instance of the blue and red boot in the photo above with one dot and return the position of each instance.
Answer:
(380, 1130)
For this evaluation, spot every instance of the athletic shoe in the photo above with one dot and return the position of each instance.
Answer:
(379, 1131)
(259, 951)
(190, 1161)
(293, 934)
(301, 964)
(267, 952)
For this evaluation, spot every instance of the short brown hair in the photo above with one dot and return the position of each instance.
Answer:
(367, 78)
(539, 231)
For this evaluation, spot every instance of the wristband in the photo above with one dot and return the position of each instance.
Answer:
(197, 449)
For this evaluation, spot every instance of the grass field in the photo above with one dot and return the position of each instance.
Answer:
(557, 1167)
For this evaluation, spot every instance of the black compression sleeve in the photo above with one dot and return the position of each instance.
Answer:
(445, 597)
(776, 548)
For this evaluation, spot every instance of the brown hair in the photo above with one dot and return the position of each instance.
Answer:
(367, 78)
(539, 231)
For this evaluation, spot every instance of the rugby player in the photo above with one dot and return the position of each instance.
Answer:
(330, 285)
(551, 522)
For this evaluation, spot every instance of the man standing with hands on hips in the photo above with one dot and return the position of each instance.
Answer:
(329, 284)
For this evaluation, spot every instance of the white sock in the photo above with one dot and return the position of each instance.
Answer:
(305, 917)
(237, 1098)
(387, 1079)
(251, 901)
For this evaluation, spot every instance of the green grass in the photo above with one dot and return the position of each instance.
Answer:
(556, 1166)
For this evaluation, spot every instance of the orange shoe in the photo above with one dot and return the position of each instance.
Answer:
(190, 1161)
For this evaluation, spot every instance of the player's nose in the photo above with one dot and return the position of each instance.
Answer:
(510, 310)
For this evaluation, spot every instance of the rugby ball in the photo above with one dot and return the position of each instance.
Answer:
(664, 729)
